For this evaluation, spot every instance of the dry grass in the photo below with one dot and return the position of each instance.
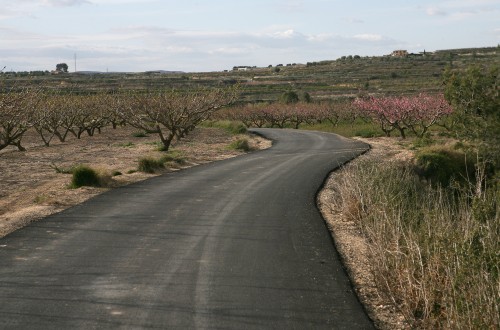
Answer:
(431, 253)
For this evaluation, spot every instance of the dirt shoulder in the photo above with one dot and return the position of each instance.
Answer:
(31, 188)
(353, 246)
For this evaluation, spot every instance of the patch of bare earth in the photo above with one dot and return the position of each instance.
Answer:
(351, 243)
(31, 188)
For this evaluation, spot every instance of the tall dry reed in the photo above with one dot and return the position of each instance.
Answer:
(434, 255)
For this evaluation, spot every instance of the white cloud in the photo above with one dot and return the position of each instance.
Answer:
(369, 37)
(288, 34)
(433, 11)
(64, 3)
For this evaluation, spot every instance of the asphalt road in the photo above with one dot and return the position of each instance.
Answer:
(236, 244)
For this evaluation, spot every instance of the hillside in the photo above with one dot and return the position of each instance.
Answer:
(346, 76)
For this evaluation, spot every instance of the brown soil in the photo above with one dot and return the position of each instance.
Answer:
(353, 246)
(31, 188)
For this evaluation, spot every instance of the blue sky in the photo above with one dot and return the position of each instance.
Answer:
(213, 35)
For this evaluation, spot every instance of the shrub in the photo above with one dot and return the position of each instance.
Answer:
(150, 165)
(442, 166)
(85, 176)
(240, 144)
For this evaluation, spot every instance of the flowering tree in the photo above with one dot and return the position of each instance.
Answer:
(425, 111)
(416, 113)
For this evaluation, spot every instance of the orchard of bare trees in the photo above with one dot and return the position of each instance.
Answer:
(56, 115)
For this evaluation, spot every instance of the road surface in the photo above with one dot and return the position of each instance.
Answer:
(236, 244)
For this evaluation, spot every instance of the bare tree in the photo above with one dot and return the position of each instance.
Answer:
(16, 115)
(48, 119)
(173, 114)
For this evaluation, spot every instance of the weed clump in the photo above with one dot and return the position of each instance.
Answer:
(85, 176)
(241, 144)
(150, 165)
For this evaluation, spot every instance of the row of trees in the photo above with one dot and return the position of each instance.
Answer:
(414, 113)
(170, 114)
(283, 115)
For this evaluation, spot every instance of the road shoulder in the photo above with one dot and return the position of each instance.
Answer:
(352, 245)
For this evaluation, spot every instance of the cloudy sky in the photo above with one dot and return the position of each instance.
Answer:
(212, 35)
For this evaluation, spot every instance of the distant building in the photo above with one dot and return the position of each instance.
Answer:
(243, 68)
(399, 53)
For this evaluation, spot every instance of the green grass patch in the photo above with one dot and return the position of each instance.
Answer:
(139, 134)
(232, 127)
(358, 128)
(368, 132)
(424, 141)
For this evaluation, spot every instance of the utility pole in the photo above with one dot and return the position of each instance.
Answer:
(75, 62)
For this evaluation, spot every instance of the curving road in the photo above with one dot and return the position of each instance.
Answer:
(236, 244)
